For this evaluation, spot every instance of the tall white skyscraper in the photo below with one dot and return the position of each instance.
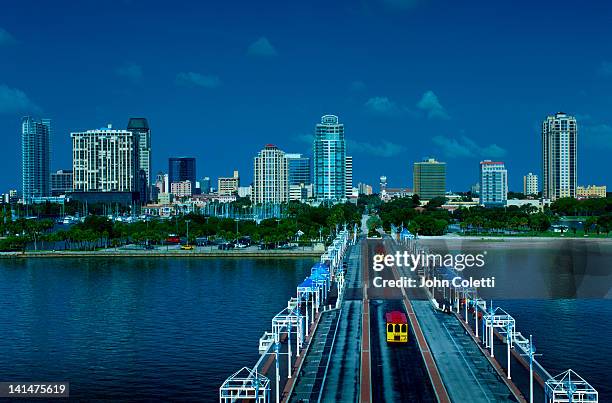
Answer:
(35, 150)
(270, 178)
(559, 156)
(348, 172)
(329, 160)
(493, 184)
(530, 184)
(103, 160)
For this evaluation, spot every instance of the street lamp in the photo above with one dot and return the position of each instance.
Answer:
(187, 222)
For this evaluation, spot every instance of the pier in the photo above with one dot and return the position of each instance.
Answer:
(329, 343)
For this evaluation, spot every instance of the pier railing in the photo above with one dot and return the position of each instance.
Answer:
(290, 327)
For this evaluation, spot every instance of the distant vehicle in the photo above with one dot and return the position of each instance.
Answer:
(148, 247)
(203, 241)
(226, 246)
(397, 327)
(187, 247)
(173, 239)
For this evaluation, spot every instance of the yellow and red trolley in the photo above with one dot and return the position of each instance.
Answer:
(397, 327)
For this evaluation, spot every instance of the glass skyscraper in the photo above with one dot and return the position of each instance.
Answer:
(142, 137)
(329, 160)
(299, 169)
(35, 150)
(182, 169)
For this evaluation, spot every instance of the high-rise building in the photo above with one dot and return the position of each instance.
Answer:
(348, 175)
(270, 176)
(182, 169)
(493, 184)
(228, 186)
(329, 160)
(559, 156)
(103, 160)
(429, 178)
(530, 184)
(383, 184)
(299, 169)
(162, 182)
(475, 189)
(35, 151)
(205, 185)
(142, 138)
(61, 182)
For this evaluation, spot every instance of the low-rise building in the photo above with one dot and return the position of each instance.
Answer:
(591, 191)
(181, 189)
(228, 186)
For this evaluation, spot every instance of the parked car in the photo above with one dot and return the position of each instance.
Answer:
(226, 246)
(187, 247)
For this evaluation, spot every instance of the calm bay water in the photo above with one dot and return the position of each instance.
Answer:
(144, 329)
(174, 329)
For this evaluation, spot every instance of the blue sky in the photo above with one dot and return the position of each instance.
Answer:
(219, 80)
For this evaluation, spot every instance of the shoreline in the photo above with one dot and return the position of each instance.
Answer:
(161, 254)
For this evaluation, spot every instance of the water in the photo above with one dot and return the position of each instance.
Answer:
(174, 329)
(140, 328)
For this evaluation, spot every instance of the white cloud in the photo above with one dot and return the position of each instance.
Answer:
(431, 105)
(382, 148)
(6, 38)
(131, 71)
(13, 100)
(262, 47)
(199, 80)
(466, 147)
(382, 105)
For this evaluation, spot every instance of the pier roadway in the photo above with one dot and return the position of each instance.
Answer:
(466, 373)
(398, 372)
(342, 380)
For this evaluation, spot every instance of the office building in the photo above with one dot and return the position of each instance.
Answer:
(228, 186)
(530, 184)
(383, 184)
(493, 184)
(300, 192)
(181, 189)
(591, 191)
(245, 191)
(329, 160)
(182, 169)
(103, 160)
(299, 169)
(559, 156)
(142, 138)
(205, 185)
(429, 179)
(475, 189)
(348, 175)
(364, 189)
(270, 176)
(35, 157)
(61, 182)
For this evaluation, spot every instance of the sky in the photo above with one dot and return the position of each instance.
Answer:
(457, 81)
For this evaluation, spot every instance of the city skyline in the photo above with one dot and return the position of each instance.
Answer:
(399, 100)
